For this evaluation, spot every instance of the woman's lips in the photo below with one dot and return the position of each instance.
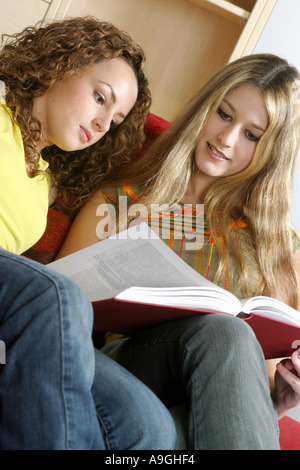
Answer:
(217, 154)
(85, 134)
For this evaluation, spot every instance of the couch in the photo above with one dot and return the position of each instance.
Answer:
(58, 225)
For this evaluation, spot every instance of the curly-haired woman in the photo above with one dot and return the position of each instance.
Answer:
(76, 85)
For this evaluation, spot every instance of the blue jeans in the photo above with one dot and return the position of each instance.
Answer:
(210, 371)
(56, 391)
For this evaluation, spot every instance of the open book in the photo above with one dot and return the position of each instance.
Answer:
(134, 280)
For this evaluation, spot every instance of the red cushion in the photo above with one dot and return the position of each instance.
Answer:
(46, 249)
(154, 126)
(289, 438)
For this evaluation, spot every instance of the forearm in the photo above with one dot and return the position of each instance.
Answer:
(83, 231)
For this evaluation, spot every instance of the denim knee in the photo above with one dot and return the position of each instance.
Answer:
(24, 282)
(220, 332)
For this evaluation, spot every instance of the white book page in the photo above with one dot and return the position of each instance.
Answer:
(272, 308)
(135, 257)
(198, 297)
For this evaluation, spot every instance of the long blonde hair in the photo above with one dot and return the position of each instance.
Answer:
(260, 194)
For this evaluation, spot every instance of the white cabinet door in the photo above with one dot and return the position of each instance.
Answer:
(17, 14)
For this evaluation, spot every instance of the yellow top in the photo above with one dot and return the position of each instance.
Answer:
(23, 200)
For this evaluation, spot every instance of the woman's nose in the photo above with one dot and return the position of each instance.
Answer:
(103, 123)
(227, 137)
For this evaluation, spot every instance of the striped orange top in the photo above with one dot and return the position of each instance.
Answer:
(184, 230)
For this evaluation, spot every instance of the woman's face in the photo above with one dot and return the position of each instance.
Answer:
(228, 141)
(79, 110)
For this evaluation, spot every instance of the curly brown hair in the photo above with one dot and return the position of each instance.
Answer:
(34, 60)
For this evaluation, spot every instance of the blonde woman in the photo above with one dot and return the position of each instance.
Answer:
(233, 149)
